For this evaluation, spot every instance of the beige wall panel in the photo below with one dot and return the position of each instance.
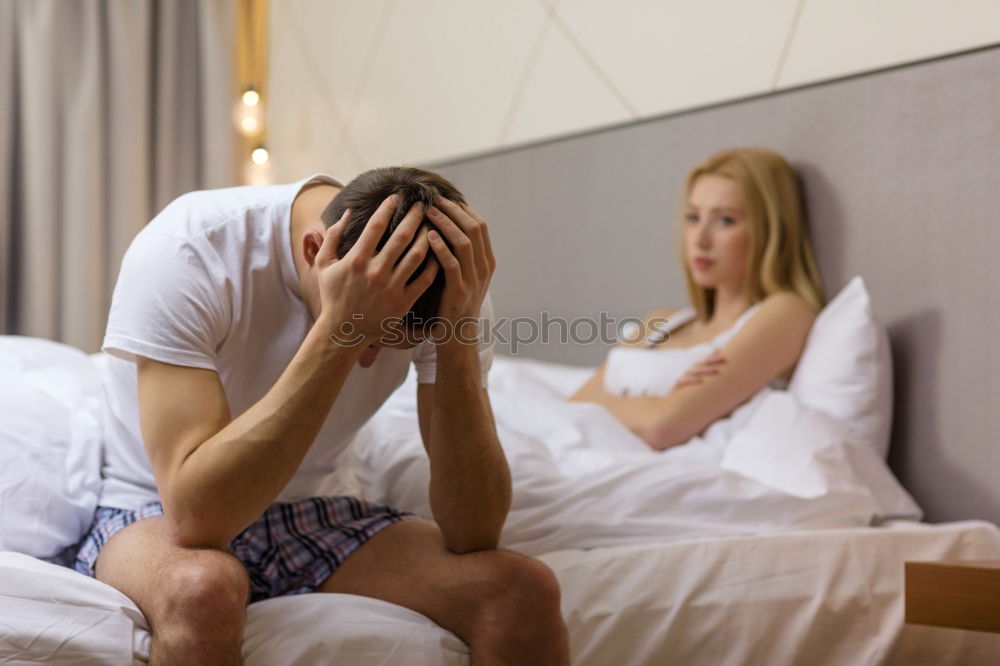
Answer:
(839, 37)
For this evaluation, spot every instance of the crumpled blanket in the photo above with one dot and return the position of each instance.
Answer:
(582, 480)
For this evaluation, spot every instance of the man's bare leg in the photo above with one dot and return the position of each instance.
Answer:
(194, 598)
(504, 605)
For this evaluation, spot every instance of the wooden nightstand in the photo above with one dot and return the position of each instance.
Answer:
(962, 595)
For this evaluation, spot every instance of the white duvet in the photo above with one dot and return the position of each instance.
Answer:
(582, 480)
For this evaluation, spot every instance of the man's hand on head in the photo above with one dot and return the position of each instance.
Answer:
(468, 264)
(365, 288)
(470, 492)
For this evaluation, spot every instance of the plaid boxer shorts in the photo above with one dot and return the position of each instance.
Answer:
(291, 549)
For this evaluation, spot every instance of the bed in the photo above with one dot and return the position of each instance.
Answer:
(833, 597)
(735, 551)
(742, 569)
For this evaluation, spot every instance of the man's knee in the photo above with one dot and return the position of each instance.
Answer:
(207, 587)
(525, 602)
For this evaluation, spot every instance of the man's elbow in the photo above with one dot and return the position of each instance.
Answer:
(478, 531)
(199, 538)
(463, 544)
(189, 531)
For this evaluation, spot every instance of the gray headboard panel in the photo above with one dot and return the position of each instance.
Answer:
(902, 175)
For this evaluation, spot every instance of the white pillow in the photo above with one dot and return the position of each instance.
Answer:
(845, 369)
(50, 445)
(807, 453)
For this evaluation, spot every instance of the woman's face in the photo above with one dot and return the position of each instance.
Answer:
(716, 233)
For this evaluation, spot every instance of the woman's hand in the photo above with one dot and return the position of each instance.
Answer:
(697, 373)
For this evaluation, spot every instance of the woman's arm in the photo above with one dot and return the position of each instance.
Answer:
(593, 389)
(768, 345)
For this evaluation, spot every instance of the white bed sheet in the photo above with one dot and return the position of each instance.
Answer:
(53, 615)
(824, 597)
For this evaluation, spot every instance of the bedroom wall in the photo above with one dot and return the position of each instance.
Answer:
(900, 171)
(360, 84)
(899, 166)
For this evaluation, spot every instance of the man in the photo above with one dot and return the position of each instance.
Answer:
(248, 344)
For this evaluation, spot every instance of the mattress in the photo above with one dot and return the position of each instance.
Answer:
(831, 596)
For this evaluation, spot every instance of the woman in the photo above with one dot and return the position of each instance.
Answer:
(754, 290)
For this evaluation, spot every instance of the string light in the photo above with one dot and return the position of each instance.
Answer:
(249, 118)
(249, 125)
(249, 112)
(251, 97)
(257, 170)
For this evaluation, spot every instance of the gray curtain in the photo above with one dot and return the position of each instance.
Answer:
(111, 108)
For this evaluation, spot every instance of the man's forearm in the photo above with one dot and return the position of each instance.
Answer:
(470, 487)
(228, 481)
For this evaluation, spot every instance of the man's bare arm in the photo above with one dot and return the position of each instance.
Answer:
(214, 476)
(470, 487)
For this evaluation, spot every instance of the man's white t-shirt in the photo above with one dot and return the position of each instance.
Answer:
(210, 283)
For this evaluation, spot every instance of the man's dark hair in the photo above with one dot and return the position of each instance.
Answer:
(365, 194)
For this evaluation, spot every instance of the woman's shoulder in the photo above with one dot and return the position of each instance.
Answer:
(783, 314)
(787, 304)
(781, 326)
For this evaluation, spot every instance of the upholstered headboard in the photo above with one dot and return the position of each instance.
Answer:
(901, 169)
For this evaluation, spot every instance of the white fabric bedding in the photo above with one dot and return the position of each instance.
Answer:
(52, 615)
(671, 577)
(50, 444)
(828, 597)
(582, 480)
(817, 598)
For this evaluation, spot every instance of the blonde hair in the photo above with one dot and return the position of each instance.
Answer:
(780, 255)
